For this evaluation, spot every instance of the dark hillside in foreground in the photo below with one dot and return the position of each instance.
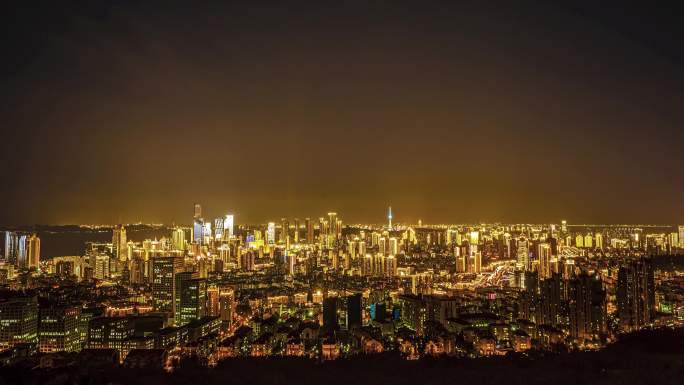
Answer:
(655, 357)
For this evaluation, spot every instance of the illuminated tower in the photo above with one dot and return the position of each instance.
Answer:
(309, 231)
(11, 247)
(544, 256)
(178, 238)
(229, 226)
(164, 270)
(33, 251)
(270, 233)
(22, 262)
(332, 223)
(284, 233)
(296, 230)
(119, 248)
(389, 218)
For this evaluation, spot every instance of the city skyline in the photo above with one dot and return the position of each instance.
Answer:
(347, 192)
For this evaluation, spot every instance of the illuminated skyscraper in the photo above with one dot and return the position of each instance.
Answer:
(33, 251)
(22, 261)
(192, 300)
(598, 237)
(11, 247)
(332, 223)
(178, 238)
(544, 255)
(523, 254)
(309, 231)
(393, 246)
(206, 233)
(296, 230)
(382, 246)
(198, 231)
(218, 229)
(213, 301)
(635, 294)
(681, 236)
(18, 320)
(389, 218)
(391, 266)
(101, 269)
(270, 233)
(119, 249)
(229, 226)
(58, 328)
(164, 270)
(285, 230)
(587, 307)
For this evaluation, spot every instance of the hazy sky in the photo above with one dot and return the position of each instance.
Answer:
(449, 111)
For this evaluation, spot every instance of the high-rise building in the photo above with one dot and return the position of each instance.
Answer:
(101, 268)
(178, 239)
(523, 253)
(206, 233)
(270, 233)
(548, 300)
(11, 247)
(226, 303)
(33, 251)
(354, 311)
(192, 300)
(164, 270)
(18, 320)
(309, 231)
(544, 256)
(198, 231)
(382, 245)
(681, 236)
(213, 302)
(332, 226)
(229, 226)
(635, 294)
(330, 321)
(58, 329)
(22, 260)
(119, 248)
(285, 230)
(110, 332)
(219, 229)
(391, 266)
(587, 307)
(389, 218)
(296, 230)
(393, 246)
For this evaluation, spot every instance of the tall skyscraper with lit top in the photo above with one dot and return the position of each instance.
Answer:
(228, 226)
(119, 248)
(33, 251)
(389, 218)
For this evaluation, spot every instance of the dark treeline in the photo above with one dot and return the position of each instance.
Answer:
(648, 357)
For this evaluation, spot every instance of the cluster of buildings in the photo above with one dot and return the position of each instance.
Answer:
(321, 289)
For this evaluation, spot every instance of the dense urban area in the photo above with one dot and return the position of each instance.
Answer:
(322, 290)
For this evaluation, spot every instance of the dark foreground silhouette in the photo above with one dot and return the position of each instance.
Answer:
(650, 357)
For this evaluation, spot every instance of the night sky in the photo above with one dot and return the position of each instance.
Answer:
(449, 111)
